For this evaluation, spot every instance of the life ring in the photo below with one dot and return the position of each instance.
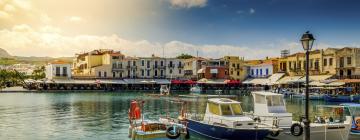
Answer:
(296, 129)
(173, 132)
(274, 133)
(357, 123)
(257, 119)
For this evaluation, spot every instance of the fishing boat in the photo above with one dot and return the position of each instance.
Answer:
(341, 98)
(271, 106)
(224, 119)
(353, 109)
(141, 129)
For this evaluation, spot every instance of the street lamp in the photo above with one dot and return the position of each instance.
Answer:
(307, 41)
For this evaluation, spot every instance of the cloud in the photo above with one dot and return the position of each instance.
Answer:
(252, 11)
(188, 3)
(16, 11)
(23, 40)
(75, 19)
(239, 12)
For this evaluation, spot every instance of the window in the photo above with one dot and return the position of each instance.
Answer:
(342, 62)
(161, 63)
(99, 74)
(156, 73)
(348, 60)
(330, 61)
(128, 73)
(171, 64)
(114, 74)
(57, 71)
(179, 63)
(311, 63)
(64, 72)
(317, 64)
(267, 71)
(257, 71)
(260, 71)
(252, 71)
(238, 73)
(148, 73)
(233, 65)
(114, 65)
(162, 73)
(156, 64)
(134, 74)
(236, 109)
(260, 99)
(142, 72)
(348, 72)
(341, 72)
(170, 71)
(238, 65)
(105, 74)
(325, 62)
(128, 63)
(142, 62)
(290, 65)
(225, 109)
(179, 71)
(214, 108)
(121, 75)
(115, 57)
(294, 64)
(134, 63)
(148, 64)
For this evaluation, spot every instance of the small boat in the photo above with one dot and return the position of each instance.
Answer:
(354, 110)
(224, 119)
(271, 106)
(342, 98)
(140, 129)
(195, 89)
(164, 90)
(315, 96)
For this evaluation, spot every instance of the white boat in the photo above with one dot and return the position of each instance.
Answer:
(269, 105)
(164, 90)
(195, 89)
(224, 119)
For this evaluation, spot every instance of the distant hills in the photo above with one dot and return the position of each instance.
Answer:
(7, 59)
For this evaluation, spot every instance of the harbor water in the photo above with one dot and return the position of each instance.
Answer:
(96, 115)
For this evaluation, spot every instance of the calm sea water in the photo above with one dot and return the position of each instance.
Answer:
(68, 116)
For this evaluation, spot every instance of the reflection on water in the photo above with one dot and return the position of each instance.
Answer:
(92, 115)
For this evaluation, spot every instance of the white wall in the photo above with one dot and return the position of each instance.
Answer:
(50, 71)
(260, 68)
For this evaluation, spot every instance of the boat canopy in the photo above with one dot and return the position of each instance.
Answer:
(223, 106)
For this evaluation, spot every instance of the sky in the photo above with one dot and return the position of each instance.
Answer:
(253, 29)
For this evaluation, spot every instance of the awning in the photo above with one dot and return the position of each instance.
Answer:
(201, 70)
(232, 82)
(257, 81)
(274, 78)
(211, 81)
(317, 77)
(290, 80)
(147, 81)
(106, 81)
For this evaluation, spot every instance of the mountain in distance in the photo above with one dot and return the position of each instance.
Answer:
(4, 54)
(7, 59)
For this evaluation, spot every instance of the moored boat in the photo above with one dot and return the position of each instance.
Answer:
(224, 119)
(269, 106)
(342, 98)
(353, 109)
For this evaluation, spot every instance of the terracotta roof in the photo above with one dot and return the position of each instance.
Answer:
(59, 62)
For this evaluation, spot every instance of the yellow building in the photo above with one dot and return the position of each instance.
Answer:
(348, 63)
(96, 64)
(237, 68)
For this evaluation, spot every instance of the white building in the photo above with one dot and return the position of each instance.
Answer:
(261, 70)
(58, 69)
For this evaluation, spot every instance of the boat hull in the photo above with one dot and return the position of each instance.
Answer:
(218, 132)
(338, 98)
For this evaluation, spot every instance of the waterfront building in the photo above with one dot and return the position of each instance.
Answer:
(155, 67)
(58, 70)
(96, 64)
(26, 69)
(237, 68)
(192, 66)
(214, 69)
(348, 63)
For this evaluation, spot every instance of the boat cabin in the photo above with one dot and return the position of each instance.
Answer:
(227, 113)
(271, 105)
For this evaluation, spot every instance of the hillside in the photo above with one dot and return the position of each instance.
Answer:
(4, 54)
(7, 59)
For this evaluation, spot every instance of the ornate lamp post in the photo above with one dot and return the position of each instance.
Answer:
(307, 41)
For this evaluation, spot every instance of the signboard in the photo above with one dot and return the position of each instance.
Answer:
(213, 71)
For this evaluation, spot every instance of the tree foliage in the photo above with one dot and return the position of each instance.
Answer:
(184, 56)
